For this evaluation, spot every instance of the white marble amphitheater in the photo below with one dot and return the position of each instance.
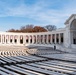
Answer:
(43, 53)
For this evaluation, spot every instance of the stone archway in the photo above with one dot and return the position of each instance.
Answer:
(27, 39)
(21, 39)
(73, 31)
(31, 38)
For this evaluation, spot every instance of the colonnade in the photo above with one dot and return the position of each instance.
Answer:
(32, 39)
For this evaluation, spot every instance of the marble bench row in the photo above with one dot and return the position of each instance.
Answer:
(16, 59)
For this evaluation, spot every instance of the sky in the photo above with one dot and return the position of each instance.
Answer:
(17, 13)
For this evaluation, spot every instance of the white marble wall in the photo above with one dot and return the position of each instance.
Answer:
(8, 38)
(32, 38)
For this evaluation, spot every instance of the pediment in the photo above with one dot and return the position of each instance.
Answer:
(71, 18)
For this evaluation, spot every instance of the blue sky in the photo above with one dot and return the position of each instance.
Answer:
(17, 13)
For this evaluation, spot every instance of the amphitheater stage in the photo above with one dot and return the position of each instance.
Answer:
(50, 53)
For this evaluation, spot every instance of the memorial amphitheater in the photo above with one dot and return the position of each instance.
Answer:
(42, 53)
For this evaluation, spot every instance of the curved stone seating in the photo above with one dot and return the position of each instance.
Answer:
(32, 51)
(14, 61)
(12, 50)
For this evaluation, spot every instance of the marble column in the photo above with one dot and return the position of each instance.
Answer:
(28, 39)
(47, 38)
(59, 38)
(33, 39)
(1, 39)
(36, 39)
(51, 39)
(55, 38)
(43, 39)
(13, 40)
(18, 40)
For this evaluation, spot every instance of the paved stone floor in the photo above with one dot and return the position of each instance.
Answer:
(64, 56)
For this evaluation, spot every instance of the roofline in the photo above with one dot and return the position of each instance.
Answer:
(66, 22)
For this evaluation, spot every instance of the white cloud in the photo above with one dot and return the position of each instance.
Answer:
(39, 12)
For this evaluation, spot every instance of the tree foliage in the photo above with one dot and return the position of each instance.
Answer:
(50, 27)
(39, 29)
(10, 30)
(29, 28)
